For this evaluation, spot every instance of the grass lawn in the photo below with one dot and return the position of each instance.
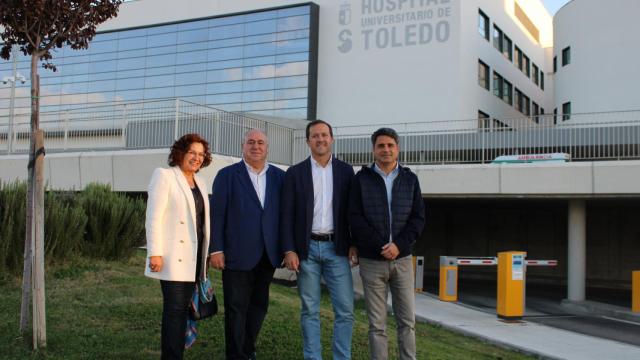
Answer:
(109, 310)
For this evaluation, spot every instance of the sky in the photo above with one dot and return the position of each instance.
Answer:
(553, 5)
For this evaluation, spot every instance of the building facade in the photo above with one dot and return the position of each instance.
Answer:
(353, 62)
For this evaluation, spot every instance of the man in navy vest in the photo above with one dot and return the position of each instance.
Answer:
(245, 245)
(316, 240)
(386, 214)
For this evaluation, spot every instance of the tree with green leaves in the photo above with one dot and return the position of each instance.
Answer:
(35, 28)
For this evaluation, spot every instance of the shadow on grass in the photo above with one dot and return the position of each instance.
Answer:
(109, 310)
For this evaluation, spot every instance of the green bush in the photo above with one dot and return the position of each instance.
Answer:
(13, 203)
(96, 222)
(64, 226)
(115, 222)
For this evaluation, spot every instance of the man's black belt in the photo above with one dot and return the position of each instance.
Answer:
(322, 237)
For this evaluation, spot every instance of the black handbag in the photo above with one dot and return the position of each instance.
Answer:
(203, 302)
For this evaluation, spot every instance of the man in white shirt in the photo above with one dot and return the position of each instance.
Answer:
(245, 245)
(316, 239)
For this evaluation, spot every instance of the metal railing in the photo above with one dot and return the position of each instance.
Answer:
(155, 124)
(145, 125)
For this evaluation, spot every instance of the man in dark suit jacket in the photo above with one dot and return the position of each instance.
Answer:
(316, 240)
(245, 209)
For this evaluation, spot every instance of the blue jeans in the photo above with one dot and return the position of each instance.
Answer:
(323, 262)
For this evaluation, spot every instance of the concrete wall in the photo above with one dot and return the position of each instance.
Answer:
(603, 74)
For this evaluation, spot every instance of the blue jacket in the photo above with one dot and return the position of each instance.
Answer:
(369, 212)
(239, 225)
(297, 207)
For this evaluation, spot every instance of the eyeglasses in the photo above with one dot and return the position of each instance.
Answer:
(196, 154)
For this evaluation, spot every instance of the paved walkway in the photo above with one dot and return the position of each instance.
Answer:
(529, 337)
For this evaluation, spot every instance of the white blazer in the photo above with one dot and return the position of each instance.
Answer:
(171, 225)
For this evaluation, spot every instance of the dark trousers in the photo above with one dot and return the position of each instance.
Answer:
(246, 300)
(176, 296)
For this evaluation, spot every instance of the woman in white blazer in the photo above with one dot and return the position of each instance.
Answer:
(177, 227)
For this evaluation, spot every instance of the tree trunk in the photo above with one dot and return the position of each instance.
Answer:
(33, 276)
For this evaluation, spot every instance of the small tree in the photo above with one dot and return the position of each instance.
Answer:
(35, 27)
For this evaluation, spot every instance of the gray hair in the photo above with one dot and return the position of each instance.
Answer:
(250, 131)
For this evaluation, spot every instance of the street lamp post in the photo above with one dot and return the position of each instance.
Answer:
(12, 99)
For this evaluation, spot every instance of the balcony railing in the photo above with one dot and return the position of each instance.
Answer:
(156, 124)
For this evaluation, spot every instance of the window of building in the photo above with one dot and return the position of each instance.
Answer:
(507, 46)
(526, 105)
(555, 116)
(541, 79)
(526, 69)
(263, 61)
(507, 92)
(483, 74)
(535, 111)
(517, 59)
(500, 126)
(555, 64)
(497, 38)
(497, 84)
(566, 56)
(518, 104)
(536, 74)
(484, 120)
(483, 25)
(566, 111)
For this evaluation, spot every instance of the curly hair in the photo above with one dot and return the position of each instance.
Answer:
(181, 146)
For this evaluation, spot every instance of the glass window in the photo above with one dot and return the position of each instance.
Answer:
(258, 72)
(291, 93)
(202, 45)
(260, 50)
(130, 83)
(291, 46)
(224, 87)
(525, 65)
(291, 103)
(566, 111)
(260, 27)
(190, 90)
(293, 23)
(483, 75)
(535, 72)
(483, 25)
(296, 34)
(566, 56)
(497, 38)
(517, 59)
(231, 74)
(162, 40)
(191, 36)
(103, 85)
(130, 95)
(193, 25)
(263, 60)
(260, 105)
(132, 43)
(555, 64)
(258, 39)
(497, 84)
(128, 64)
(298, 10)
(303, 56)
(130, 73)
(507, 47)
(159, 81)
(291, 82)
(225, 32)
(541, 80)
(266, 95)
(258, 84)
(164, 70)
(225, 54)
(171, 49)
(191, 57)
(224, 98)
(224, 64)
(484, 121)
(103, 46)
(158, 93)
(507, 92)
(161, 60)
(171, 28)
(292, 68)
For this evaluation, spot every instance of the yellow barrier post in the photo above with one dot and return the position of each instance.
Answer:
(635, 291)
(448, 288)
(511, 284)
